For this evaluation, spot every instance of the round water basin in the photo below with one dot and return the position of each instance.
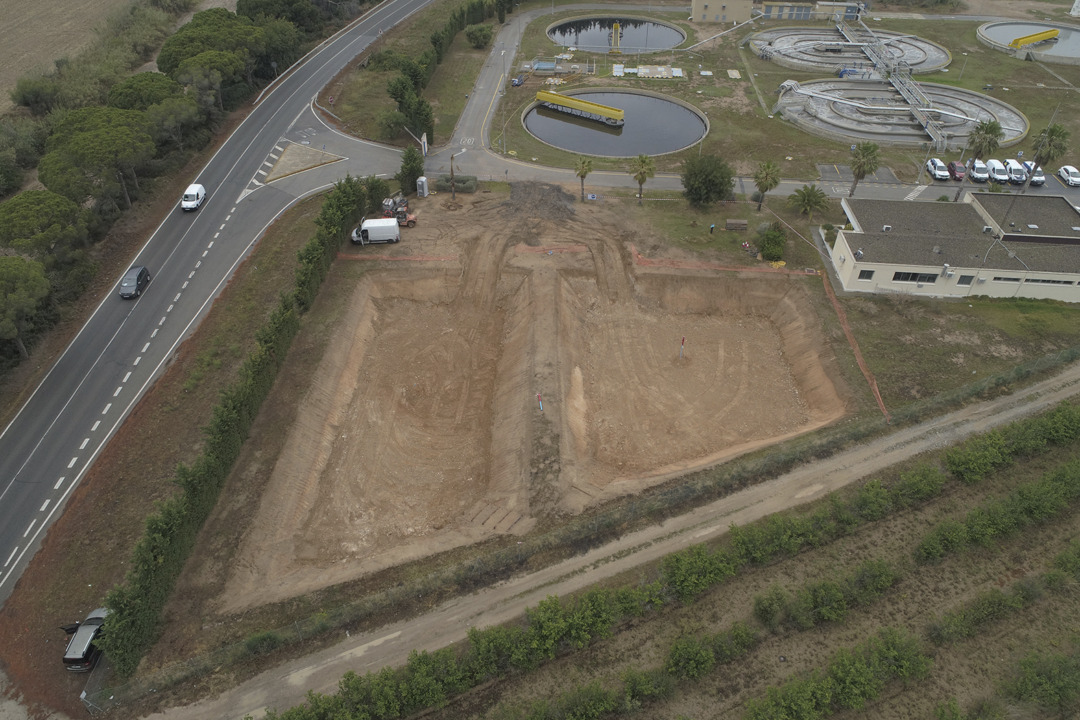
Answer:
(1066, 45)
(595, 34)
(652, 126)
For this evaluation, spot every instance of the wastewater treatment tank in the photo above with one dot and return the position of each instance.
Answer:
(653, 125)
(596, 34)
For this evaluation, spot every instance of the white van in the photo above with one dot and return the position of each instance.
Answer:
(978, 172)
(997, 171)
(382, 230)
(193, 197)
(1036, 173)
(1017, 172)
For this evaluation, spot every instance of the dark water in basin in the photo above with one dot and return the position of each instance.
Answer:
(594, 35)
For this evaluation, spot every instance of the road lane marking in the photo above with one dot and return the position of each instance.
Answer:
(211, 244)
(72, 463)
(137, 360)
(8, 561)
(44, 505)
(175, 299)
(261, 172)
(169, 310)
(106, 410)
(215, 237)
(127, 377)
(228, 217)
(198, 264)
(154, 334)
(94, 427)
(59, 482)
(222, 227)
(118, 391)
(85, 442)
(205, 253)
(184, 286)
(161, 322)
(30, 527)
(145, 347)
(191, 275)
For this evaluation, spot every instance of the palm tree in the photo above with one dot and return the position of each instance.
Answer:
(807, 199)
(982, 141)
(582, 169)
(766, 178)
(865, 159)
(642, 168)
(1053, 142)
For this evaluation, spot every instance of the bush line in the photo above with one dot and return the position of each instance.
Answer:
(135, 605)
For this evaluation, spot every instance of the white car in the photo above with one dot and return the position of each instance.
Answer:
(978, 172)
(1035, 173)
(1070, 175)
(937, 169)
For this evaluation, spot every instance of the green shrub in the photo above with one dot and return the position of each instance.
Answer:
(639, 686)
(1048, 679)
(264, 642)
(873, 501)
(769, 608)
(690, 658)
(978, 457)
(921, 484)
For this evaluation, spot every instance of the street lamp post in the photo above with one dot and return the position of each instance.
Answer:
(961, 75)
(453, 195)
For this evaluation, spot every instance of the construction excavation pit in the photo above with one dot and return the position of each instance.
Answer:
(515, 360)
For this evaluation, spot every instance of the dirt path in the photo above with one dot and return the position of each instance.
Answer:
(285, 686)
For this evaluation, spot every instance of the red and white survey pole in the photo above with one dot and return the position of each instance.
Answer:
(682, 346)
(541, 401)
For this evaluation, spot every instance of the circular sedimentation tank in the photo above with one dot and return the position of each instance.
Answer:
(596, 34)
(875, 111)
(654, 125)
(1065, 48)
(823, 49)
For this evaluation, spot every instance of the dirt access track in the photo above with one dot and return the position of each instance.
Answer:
(511, 359)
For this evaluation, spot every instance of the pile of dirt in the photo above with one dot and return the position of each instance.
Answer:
(531, 200)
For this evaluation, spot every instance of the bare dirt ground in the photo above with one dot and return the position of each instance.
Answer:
(422, 428)
(285, 686)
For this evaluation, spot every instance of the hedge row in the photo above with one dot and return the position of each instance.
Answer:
(430, 679)
(854, 677)
(694, 570)
(825, 600)
(979, 456)
(1029, 504)
(159, 556)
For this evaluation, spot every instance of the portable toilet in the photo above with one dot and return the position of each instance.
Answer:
(421, 186)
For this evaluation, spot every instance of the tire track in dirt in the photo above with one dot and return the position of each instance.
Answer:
(286, 685)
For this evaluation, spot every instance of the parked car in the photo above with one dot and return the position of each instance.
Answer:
(1017, 172)
(134, 281)
(997, 171)
(1036, 173)
(957, 170)
(1070, 175)
(82, 652)
(937, 169)
(978, 172)
(193, 197)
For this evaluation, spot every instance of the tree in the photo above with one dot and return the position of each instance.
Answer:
(582, 170)
(22, 287)
(142, 90)
(1053, 142)
(707, 179)
(772, 242)
(11, 175)
(766, 178)
(479, 35)
(376, 189)
(865, 159)
(37, 222)
(982, 141)
(809, 199)
(642, 168)
(173, 118)
(412, 167)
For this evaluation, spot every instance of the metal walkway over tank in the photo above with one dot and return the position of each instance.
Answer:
(581, 108)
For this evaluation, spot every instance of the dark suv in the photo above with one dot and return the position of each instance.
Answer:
(82, 653)
(133, 282)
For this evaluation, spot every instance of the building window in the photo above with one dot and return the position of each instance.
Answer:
(965, 280)
(915, 277)
(1048, 282)
(1006, 279)
(866, 274)
(723, 7)
(706, 7)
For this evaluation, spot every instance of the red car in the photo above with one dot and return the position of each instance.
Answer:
(957, 170)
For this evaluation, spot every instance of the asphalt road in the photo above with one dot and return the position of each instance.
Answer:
(48, 447)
